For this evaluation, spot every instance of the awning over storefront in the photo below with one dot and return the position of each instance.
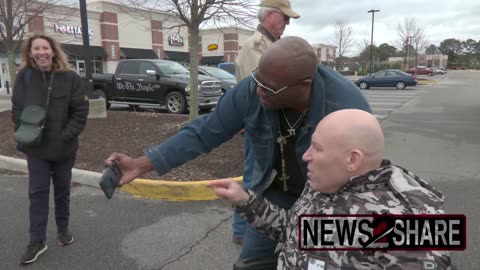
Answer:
(77, 50)
(211, 60)
(177, 56)
(134, 53)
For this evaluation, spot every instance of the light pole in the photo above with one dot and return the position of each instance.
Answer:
(86, 45)
(371, 41)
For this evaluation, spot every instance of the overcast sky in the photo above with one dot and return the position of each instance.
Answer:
(441, 19)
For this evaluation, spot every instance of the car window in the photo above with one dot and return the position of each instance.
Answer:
(392, 74)
(144, 66)
(380, 74)
(400, 73)
(219, 73)
(228, 66)
(130, 67)
(201, 72)
(170, 67)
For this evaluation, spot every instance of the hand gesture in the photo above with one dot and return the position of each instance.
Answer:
(131, 168)
(230, 191)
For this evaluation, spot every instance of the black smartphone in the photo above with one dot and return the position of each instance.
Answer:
(110, 179)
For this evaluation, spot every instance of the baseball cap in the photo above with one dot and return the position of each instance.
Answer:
(282, 5)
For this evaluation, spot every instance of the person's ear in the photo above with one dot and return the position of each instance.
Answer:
(354, 160)
(307, 83)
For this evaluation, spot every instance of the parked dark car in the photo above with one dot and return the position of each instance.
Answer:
(387, 78)
(228, 80)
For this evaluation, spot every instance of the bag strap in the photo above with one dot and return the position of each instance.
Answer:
(49, 91)
(26, 84)
(26, 80)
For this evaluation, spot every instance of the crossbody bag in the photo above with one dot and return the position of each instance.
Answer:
(32, 119)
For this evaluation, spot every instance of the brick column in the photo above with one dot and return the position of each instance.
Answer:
(109, 35)
(157, 38)
(36, 25)
(230, 46)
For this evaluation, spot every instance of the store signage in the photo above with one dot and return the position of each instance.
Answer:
(68, 29)
(175, 40)
(212, 47)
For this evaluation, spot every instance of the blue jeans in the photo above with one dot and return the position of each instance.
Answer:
(256, 244)
(239, 224)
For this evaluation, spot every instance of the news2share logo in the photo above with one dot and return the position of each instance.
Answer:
(392, 232)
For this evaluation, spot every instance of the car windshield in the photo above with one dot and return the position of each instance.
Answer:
(170, 67)
(401, 72)
(218, 73)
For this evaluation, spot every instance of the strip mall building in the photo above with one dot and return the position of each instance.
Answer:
(119, 33)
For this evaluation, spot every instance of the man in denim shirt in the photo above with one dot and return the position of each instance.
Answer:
(279, 106)
(274, 16)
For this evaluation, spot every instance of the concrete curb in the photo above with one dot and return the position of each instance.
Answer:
(144, 188)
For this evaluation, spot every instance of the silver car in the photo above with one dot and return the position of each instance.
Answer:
(228, 80)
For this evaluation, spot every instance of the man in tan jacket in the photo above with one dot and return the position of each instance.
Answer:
(273, 16)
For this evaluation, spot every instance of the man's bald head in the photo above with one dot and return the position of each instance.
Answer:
(345, 144)
(354, 129)
(292, 58)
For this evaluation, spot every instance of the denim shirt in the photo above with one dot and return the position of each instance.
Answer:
(240, 108)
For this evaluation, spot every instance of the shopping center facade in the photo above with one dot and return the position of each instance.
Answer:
(117, 32)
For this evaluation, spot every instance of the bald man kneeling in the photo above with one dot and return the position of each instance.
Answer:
(346, 175)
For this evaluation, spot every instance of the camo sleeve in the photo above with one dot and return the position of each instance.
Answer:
(265, 216)
(433, 260)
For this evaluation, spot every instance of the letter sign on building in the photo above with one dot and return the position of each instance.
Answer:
(212, 47)
(68, 29)
(175, 40)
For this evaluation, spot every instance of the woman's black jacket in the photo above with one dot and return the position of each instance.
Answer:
(66, 115)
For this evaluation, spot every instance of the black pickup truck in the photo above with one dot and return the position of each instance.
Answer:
(155, 83)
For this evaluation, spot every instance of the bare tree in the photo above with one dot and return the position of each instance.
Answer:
(420, 42)
(364, 50)
(193, 14)
(410, 35)
(343, 39)
(15, 16)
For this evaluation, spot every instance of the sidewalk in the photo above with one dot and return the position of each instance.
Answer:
(122, 233)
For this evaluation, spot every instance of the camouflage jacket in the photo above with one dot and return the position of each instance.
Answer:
(389, 189)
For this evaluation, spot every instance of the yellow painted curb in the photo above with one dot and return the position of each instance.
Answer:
(172, 190)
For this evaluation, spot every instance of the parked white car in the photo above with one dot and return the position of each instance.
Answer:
(438, 71)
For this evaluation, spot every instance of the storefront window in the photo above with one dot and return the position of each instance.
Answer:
(78, 63)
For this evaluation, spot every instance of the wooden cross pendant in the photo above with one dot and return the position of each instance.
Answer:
(282, 140)
(291, 131)
(284, 179)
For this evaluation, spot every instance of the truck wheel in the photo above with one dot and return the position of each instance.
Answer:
(176, 102)
(101, 93)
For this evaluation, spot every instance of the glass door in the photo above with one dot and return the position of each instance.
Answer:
(81, 66)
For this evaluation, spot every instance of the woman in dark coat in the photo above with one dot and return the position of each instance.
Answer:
(44, 64)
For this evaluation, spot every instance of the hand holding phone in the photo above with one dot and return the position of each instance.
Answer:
(111, 179)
